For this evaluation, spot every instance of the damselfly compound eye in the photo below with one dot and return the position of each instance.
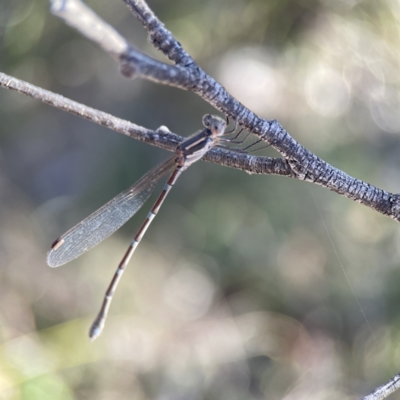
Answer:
(207, 120)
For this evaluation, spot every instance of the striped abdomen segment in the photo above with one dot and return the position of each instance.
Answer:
(98, 323)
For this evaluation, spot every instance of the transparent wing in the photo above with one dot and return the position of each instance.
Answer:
(107, 219)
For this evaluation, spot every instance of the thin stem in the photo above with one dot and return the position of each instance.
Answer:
(161, 137)
(385, 390)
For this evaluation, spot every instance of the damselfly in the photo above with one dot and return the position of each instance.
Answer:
(107, 219)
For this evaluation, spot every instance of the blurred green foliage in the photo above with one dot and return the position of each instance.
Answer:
(245, 287)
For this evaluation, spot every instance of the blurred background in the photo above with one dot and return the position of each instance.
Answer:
(244, 287)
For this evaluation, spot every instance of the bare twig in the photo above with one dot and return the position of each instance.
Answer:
(89, 24)
(159, 36)
(385, 390)
(304, 165)
(162, 137)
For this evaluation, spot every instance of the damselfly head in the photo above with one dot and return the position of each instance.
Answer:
(215, 124)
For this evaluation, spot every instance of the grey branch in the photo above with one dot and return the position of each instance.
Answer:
(186, 74)
(298, 163)
(385, 390)
(305, 165)
(89, 24)
(161, 137)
